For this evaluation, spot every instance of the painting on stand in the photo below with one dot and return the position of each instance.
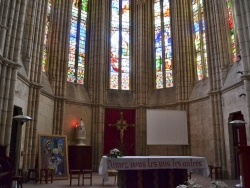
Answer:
(53, 154)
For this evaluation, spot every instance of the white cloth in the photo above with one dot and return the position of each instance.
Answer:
(103, 169)
(191, 163)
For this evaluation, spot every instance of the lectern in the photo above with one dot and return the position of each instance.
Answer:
(80, 162)
(80, 157)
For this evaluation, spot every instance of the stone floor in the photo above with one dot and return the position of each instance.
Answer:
(97, 182)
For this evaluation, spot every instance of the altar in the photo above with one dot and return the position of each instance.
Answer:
(153, 171)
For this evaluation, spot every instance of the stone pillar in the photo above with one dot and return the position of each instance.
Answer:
(4, 12)
(183, 59)
(97, 77)
(142, 66)
(243, 27)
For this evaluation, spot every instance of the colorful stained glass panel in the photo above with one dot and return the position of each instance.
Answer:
(72, 44)
(120, 45)
(199, 39)
(77, 57)
(163, 44)
(45, 42)
(231, 28)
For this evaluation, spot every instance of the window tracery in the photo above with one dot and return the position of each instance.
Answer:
(199, 31)
(163, 44)
(77, 51)
(120, 45)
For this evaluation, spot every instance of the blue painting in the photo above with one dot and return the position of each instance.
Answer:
(53, 155)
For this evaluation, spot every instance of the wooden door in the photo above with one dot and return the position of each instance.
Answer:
(239, 139)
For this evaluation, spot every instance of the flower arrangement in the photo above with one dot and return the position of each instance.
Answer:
(114, 153)
(190, 184)
(218, 184)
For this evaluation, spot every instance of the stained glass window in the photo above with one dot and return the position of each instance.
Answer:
(76, 64)
(163, 44)
(45, 42)
(231, 29)
(199, 39)
(120, 45)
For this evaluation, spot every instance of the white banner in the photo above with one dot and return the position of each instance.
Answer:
(191, 163)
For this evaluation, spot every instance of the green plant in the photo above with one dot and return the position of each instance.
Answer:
(190, 184)
(218, 184)
(114, 153)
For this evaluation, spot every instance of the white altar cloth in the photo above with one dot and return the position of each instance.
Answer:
(191, 163)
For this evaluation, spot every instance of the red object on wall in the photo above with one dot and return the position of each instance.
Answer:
(112, 135)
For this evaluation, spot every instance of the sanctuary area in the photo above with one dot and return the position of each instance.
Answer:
(80, 78)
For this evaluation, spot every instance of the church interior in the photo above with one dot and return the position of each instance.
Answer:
(106, 64)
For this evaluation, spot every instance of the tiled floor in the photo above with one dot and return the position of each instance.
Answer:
(97, 183)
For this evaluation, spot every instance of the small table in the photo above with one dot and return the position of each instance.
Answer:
(153, 170)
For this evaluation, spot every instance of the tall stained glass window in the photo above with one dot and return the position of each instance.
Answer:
(120, 45)
(45, 42)
(163, 44)
(232, 30)
(199, 39)
(76, 64)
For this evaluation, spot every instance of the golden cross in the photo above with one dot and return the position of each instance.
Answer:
(121, 126)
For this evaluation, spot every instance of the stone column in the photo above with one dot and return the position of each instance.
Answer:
(142, 66)
(97, 77)
(243, 28)
(219, 60)
(4, 12)
(10, 47)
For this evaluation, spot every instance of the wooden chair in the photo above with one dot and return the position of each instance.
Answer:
(6, 179)
(216, 171)
(111, 173)
(74, 174)
(32, 175)
(18, 178)
(189, 174)
(45, 173)
(87, 174)
(211, 167)
(6, 168)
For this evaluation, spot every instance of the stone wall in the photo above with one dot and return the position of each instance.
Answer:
(21, 95)
(201, 130)
(73, 114)
(45, 117)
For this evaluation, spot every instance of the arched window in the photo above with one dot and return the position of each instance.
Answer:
(233, 41)
(163, 44)
(76, 64)
(199, 39)
(120, 45)
(45, 42)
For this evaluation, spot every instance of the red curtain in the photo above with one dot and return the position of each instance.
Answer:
(112, 135)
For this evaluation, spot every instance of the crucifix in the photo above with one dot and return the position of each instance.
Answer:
(121, 126)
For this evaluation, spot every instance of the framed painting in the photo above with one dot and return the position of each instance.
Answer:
(53, 154)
